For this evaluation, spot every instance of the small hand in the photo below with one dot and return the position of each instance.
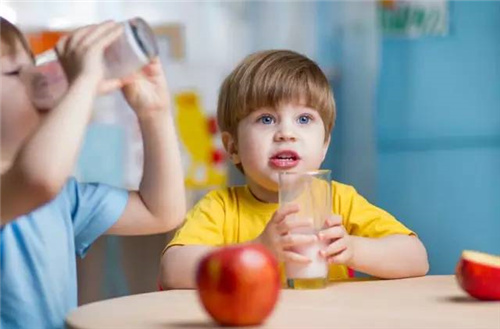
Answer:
(280, 239)
(147, 90)
(340, 246)
(81, 54)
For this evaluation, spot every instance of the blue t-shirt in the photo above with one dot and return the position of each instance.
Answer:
(38, 253)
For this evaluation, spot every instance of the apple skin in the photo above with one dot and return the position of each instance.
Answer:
(239, 285)
(478, 278)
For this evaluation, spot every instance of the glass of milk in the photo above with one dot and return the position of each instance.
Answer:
(46, 82)
(312, 192)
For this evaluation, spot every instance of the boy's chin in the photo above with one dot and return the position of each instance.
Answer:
(273, 184)
(269, 182)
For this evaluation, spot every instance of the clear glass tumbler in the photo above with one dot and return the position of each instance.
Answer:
(312, 192)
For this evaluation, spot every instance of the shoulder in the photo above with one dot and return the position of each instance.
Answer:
(225, 196)
(67, 196)
(91, 197)
(76, 189)
(341, 189)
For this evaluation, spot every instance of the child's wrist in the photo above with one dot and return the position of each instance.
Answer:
(351, 262)
(263, 241)
(259, 241)
(153, 116)
(87, 81)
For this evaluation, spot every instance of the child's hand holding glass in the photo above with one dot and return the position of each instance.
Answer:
(81, 54)
(278, 236)
(340, 245)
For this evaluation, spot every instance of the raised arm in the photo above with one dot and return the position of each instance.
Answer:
(160, 203)
(46, 160)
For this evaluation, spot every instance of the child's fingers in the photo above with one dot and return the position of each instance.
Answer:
(288, 224)
(333, 220)
(334, 248)
(108, 86)
(78, 35)
(84, 36)
(340, 258)
(153, 68)
(290, 256)
(104, 35)
(335, 232)
(129, 79)
(96, 32)
(284, 211)
(60, 47)
(291, 240)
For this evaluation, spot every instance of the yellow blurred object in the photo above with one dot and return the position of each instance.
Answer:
(198, 141)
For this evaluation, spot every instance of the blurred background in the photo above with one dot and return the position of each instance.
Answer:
(417, 86)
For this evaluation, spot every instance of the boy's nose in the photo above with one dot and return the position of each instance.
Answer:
(285, 135)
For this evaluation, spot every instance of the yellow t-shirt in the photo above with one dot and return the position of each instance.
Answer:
(234, 215)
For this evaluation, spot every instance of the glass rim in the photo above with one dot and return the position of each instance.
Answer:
(309, 172)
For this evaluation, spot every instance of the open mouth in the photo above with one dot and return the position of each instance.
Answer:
(284, 159)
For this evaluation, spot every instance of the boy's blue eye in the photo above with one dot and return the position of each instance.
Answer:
(266, 119)
(304, 119)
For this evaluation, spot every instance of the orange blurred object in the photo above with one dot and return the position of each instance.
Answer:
(388, 4)
(43, 40)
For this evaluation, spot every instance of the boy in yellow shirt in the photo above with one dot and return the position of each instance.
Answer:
(276, 112)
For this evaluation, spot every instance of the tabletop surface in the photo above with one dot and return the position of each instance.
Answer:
(426, 302)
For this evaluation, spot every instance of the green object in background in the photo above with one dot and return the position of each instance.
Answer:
(413, 18)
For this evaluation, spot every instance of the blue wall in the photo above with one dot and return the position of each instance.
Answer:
(438, 133)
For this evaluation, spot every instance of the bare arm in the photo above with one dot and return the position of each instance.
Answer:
(178, 266)
(179, 262)
(391, 257)
(160, 204)
(46, 160)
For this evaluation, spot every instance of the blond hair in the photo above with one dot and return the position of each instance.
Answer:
(272, 78)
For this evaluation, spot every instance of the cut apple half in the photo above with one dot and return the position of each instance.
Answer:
(481, 258)
(479, 274)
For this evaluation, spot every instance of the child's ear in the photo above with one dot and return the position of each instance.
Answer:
(230, 147)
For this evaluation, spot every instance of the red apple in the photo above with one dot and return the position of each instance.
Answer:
(479, 275)
(239, 285)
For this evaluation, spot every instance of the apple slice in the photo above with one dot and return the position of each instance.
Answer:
(479, 275)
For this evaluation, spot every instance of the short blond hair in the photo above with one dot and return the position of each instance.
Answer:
(272, 78)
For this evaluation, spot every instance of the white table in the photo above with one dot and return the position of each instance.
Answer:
(427, 302)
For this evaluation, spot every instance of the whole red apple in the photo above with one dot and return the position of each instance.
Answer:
(239, 285)
(479, 275)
